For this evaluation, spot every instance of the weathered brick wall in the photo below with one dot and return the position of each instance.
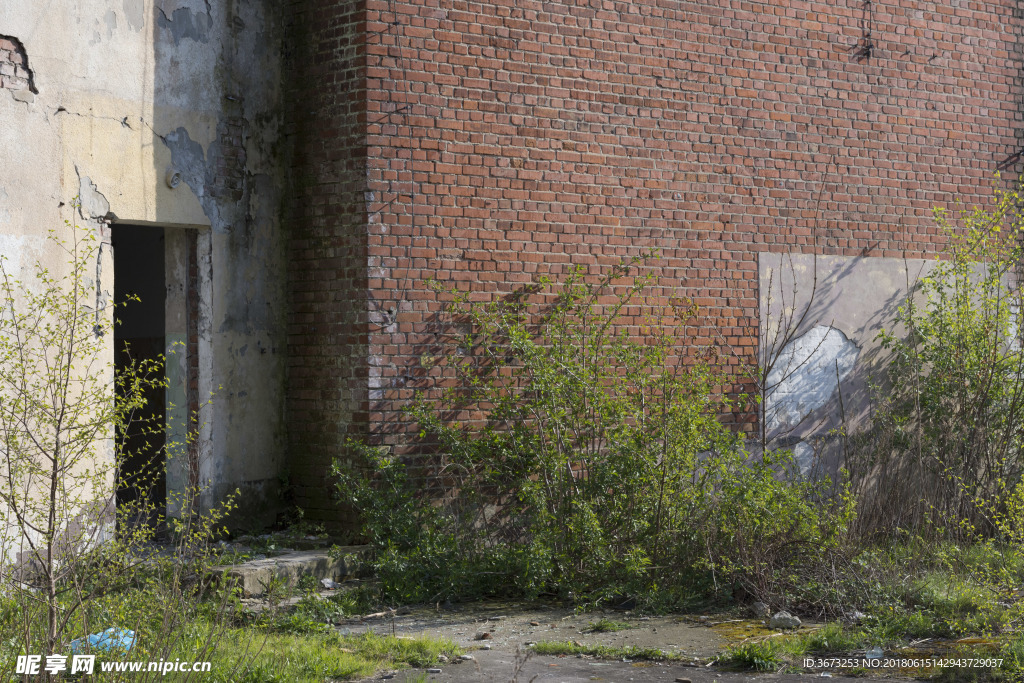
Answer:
(326, 218)
(509, 139)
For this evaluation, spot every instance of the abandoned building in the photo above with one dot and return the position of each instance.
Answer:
(276, 180)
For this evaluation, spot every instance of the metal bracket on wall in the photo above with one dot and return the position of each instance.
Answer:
(866, 45)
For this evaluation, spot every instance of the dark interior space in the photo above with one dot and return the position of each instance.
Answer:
(139, 289)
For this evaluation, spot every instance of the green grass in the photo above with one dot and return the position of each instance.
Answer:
(764, 655)
(773, 652)
(761, 654)
(911, 593)
(896, 630)
(608, 626)
(312, 614)
(265, 648)
(952, 595)
(831, 638)
(246, 657)
(313, 610)
(251, 656)
(548, 647)
(897, 626)
(1012, 653)
(412, 651)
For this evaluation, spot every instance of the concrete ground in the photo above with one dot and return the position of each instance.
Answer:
(500, 666)
(499, 639)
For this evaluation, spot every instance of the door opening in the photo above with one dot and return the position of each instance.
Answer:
(140, 291)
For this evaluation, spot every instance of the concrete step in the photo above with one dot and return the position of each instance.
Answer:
(256, 576)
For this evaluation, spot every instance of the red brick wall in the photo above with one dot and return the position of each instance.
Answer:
(513, 138)
(326, 218)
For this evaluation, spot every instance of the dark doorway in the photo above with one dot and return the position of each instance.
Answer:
(140, 292)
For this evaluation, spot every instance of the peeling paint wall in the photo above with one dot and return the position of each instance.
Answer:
(168, 113)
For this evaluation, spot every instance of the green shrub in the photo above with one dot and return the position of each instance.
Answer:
(944, 457)
(598, 471)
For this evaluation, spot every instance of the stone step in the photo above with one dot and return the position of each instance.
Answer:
(256, 576)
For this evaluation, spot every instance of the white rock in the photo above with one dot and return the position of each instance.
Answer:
(784, 619)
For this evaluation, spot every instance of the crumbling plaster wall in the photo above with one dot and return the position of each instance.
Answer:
(124, 95)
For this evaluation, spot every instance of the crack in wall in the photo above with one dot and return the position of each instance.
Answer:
(93, 207)
(123, 120)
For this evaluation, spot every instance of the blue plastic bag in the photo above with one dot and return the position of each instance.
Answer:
(112, 639)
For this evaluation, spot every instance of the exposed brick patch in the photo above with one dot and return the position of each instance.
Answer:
(228, 170)
(15, 73)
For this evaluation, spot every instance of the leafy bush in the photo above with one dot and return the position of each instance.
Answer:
(945, 454)
(576, 456)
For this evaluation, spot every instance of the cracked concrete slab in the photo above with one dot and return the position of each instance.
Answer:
(506, 654)
(503, 667)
